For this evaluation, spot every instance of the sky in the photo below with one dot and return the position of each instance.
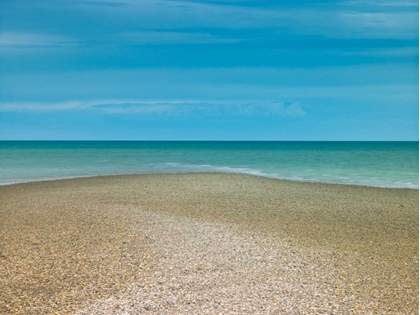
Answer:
(209, 70)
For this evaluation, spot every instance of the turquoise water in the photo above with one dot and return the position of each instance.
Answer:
(382, 164)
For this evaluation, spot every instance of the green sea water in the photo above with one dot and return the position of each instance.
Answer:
(381, 164)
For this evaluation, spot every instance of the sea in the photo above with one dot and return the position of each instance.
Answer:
(379, 164)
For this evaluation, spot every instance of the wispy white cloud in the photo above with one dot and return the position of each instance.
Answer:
(25, 40)
(354, 19)
(385, 52)
(164, 37)
(42, 107)
(366, 83)
(380, 24)
(168, 22)
(164, 107)
(382, 3)
(112, 4)
(294, 110)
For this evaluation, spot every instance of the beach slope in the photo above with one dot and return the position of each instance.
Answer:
(206, 244)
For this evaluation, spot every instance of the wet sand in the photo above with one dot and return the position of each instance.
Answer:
(206, 244)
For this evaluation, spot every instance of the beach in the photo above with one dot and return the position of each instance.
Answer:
(207, 243)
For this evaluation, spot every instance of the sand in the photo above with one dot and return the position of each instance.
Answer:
(206, 244)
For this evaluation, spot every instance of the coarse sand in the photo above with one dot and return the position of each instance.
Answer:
(206, 243)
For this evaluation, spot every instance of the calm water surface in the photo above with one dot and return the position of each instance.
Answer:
(382, 164)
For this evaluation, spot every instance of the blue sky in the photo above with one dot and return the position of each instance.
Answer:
(209, 70)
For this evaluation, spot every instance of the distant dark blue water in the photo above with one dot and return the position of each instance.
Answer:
(382, 164)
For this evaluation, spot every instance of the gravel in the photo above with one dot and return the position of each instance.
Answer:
(207, 244)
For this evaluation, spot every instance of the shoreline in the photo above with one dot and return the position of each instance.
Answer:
(212, 172)
(201, 242)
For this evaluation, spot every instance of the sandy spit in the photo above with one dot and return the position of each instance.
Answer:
(206, 244)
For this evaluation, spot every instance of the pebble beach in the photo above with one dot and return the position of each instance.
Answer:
(207, 243)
